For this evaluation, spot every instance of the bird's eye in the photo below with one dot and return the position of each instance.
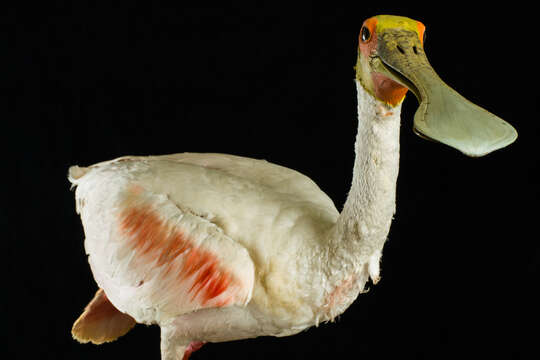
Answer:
(366, 35)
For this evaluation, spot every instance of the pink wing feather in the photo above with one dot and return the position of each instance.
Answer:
(158, 261)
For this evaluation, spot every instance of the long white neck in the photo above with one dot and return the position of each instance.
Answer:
(363, 225)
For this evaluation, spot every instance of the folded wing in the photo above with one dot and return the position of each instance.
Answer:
(155, 260)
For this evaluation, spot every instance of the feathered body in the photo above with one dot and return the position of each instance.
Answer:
(215, 247)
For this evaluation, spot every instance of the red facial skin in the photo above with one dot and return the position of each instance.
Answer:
(385, 89)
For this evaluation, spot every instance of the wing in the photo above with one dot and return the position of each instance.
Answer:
(153, 259)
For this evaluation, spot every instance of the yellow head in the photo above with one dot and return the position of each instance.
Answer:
(378, 30)
(391, 60)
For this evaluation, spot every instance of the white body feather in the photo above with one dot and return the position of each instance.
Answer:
(294, 259)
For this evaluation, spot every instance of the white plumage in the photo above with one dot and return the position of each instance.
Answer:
(215, 247)
(289, 259)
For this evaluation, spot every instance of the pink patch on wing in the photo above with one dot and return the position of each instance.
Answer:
(159, 244)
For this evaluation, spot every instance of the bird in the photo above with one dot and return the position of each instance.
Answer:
(214, 247)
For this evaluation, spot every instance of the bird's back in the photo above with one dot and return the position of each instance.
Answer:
(205, 182)
(277, 178)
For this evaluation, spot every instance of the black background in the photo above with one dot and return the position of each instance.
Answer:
(84, 84)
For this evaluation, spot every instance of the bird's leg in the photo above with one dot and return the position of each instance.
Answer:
(192, 347)
(172, 346)
(175, 346)
(187, 333)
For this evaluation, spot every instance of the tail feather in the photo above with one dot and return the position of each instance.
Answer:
(101, 322)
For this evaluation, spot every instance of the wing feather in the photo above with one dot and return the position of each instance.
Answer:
(154, 260)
